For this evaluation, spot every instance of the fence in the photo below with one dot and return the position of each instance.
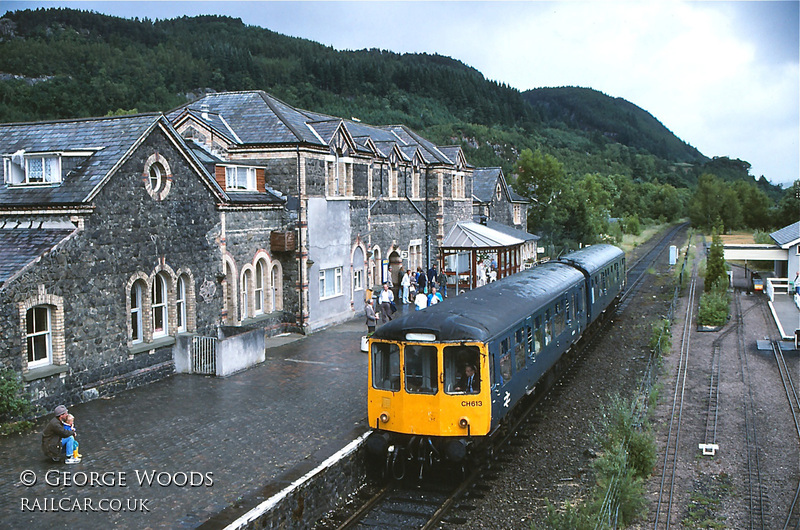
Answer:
(204, 355)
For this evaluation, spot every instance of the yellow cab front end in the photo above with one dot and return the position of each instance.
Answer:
(431, 390)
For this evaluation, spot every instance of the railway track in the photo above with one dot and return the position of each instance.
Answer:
(755, 496)
(667, 485)
(426, 504)
(793, 517)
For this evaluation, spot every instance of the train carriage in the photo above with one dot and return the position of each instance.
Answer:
(445, 378)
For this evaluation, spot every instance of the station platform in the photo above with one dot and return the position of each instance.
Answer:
(786, 315)
(241, 437)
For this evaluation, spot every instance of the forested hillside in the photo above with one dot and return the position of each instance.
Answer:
(63, 63)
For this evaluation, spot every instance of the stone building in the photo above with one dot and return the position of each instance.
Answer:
(370, 201)
(129, 243)
(113, 245)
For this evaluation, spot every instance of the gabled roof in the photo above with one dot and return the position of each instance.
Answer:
(20, 246)
(787, 236)
(255, 117)
(468, 235)
(110, 140)
(484, 184)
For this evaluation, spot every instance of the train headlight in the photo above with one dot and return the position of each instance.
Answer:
(463, 423)
(384, 417)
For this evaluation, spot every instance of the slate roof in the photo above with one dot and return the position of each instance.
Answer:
(256, 118)
(109, 138)
(484, 183)
(788, 235)
(21, 246)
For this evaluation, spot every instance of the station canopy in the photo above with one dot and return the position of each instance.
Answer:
(475, 238)
(470, 235)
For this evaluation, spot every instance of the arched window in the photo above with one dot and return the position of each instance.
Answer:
(258, 294)
(39, 336)
(160, 313)
(136, 312)
(276, 287)
(180, 304)
(247, 283)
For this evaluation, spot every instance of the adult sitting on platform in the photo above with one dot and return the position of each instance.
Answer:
(58, 441)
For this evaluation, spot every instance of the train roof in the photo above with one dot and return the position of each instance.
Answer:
(593, 258)
(480, 314)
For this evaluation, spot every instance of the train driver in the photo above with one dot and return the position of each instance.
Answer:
(470, 381)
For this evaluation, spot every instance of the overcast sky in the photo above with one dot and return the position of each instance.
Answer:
(723, 76)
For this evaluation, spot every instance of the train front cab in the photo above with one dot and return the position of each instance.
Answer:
(417, 392)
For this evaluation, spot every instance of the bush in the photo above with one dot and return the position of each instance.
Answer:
(631, 225)
(713, 308)
(13, 405)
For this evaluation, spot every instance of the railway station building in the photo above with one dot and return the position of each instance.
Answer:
(132, 246)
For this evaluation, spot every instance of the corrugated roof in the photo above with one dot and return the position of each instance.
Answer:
(468, 235)
(787, 235)
(21, 246)
(511, 231)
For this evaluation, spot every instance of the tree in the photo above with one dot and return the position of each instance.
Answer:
(539, 178)
(716, 275)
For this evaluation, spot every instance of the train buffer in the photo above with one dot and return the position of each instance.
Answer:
(709, 449)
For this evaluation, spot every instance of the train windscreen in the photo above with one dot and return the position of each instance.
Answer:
(386, 366)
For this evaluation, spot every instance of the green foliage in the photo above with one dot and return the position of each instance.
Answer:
(630, 225)
(714, 307)
(715, 265)
(13, 405)
(661, 337)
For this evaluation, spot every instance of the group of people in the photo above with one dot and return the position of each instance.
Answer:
(59, 437)
(419, 288)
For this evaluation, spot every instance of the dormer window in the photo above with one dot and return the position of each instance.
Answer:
(240, 178)
(31, 169)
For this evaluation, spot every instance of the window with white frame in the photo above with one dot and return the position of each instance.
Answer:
(39, 336)
(136, 312)
(415, 183)
(330, 282)
(247, 282)
(160, 307)
(180, 304)
(240, 178)
(358, 279)
(517, 214)
(258, 293)
(32, 169)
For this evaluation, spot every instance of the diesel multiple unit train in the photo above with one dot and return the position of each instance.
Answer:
(445, 379)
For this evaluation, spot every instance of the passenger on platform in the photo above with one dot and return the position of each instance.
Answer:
(470, 382)
(481, 274)
(405, 284)
(372, 318)
(57, 437)
(492, 276)
(435, 297)
(421, 280)
(432, 276)
(797, 282)
(421, 301)
(385, 299)
(441, 279)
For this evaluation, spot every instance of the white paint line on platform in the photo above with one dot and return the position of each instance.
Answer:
(305, 362)
(270, 503)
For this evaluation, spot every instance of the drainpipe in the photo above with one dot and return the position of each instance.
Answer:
(300, 239)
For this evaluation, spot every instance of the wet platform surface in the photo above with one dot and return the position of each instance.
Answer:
(261, 427)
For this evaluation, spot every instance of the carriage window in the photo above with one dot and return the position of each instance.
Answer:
(456, 377)
(422, 372)
(505, 361)
(548, 328)
(538, 334)
(531, 348)
(519, 350)
(558, 321)
(385, 366)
